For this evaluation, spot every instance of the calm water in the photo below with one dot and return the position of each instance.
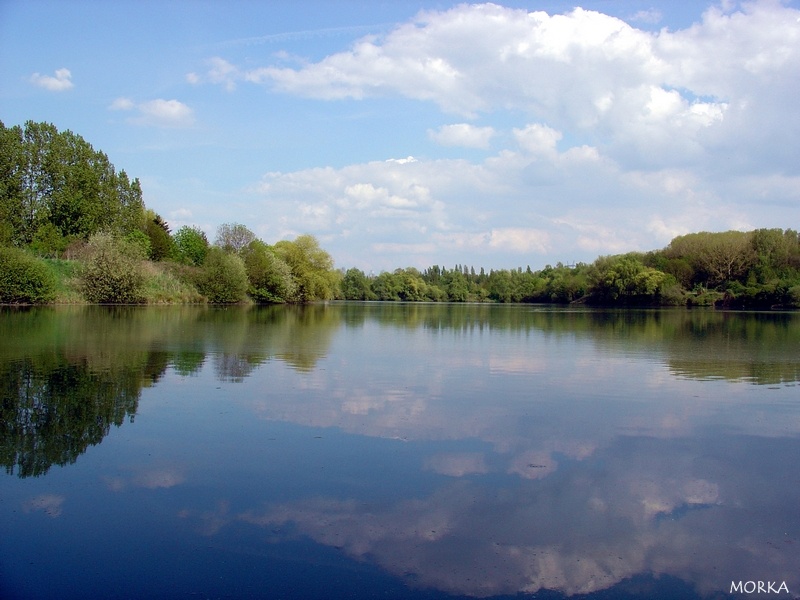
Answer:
(398, 451)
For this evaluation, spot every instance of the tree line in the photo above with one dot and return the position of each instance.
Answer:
(70, 221)
(68, 218)
(733, 269)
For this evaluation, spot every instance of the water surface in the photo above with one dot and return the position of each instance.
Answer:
(397, 451)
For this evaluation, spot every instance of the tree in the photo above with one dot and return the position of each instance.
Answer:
(233, 237)
(355, 285)
(56, 178)
(311, 266)
(386, 286)
(625, 278)
(11, 185)
(715, 257)
(772, 250)
(223, 279)
(157, 231)
(269, 276)
(191, 245)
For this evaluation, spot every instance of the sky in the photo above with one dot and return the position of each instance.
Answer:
(415, 133)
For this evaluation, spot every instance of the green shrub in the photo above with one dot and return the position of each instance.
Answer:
(223, 279)
(191, 245)
(112, 271)
(24, 279)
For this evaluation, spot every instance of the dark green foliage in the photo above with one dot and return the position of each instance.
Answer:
(191, 245)
(625, 279)
(223, 278)
(157, 232)
(355, 286)
(270, 277)
(24, 279)
(48, 241)
(111, 272)
(56, 178)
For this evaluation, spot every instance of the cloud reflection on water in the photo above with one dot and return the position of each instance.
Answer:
(637, 506)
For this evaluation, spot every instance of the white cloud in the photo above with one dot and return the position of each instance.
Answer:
(61, 81)
(613, 139)
(536, 205)
(462, 134)
(122, 104)
(159, 112)
(167, 112)
(650, 98)
(538, 139)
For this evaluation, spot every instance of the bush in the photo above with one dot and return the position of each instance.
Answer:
(270, 277)
(112, 271)
(223, 279)
(24, 279)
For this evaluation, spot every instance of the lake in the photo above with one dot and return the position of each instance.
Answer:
(366, 450)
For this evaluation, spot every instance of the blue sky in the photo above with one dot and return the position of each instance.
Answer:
(413, 133)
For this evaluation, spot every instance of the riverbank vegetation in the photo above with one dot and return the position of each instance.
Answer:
(73, 229)
(733, 269)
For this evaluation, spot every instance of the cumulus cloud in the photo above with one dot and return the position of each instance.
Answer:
(59, 82)
(462, 134)
(615, 136)
(158, 113)
(658, 96)
(437, 211)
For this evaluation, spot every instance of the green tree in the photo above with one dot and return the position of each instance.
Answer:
(191, 245)
(386, 286)
(269, 276)
(157, 230)
(625, 278)
(772, 251)
(223, 278)
(311, 266)
(356, 286)
(11, 185)
(456, 285)
(48, 241)
(715, 257)
(57, 178)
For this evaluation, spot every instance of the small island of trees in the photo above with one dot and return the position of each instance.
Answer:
(74, 229)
